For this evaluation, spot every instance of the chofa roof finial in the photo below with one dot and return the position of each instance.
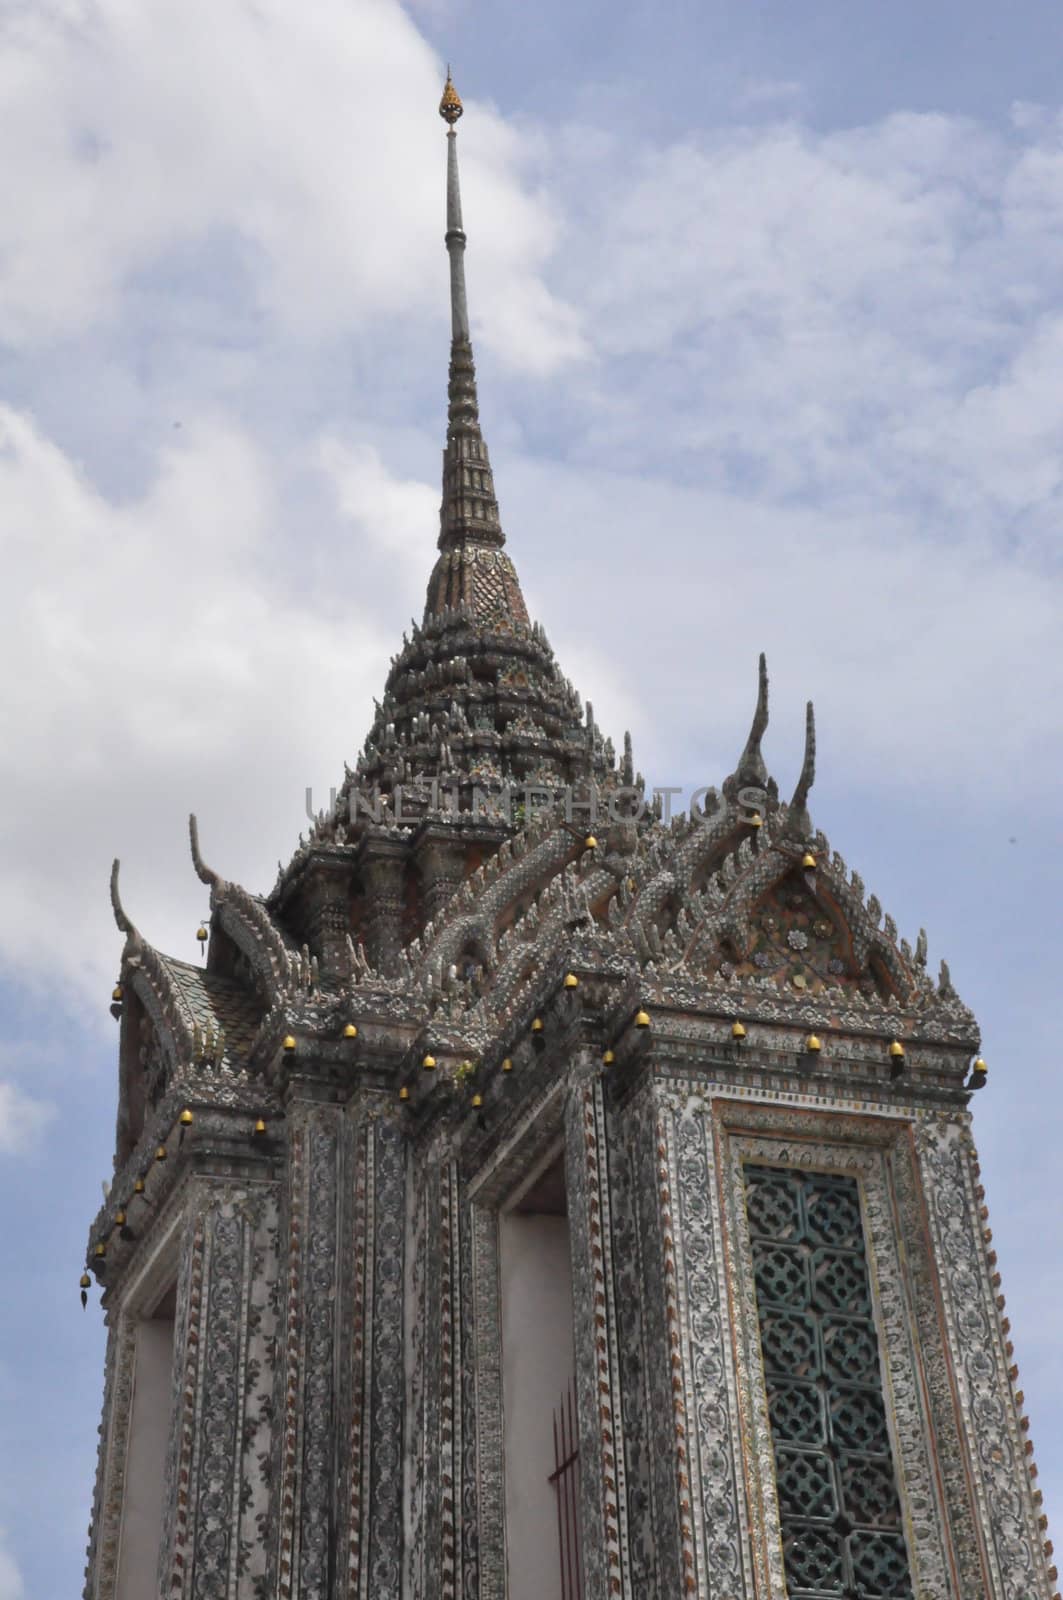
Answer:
(751, 768)
(800, 823)
(204, 873)
(123, 922)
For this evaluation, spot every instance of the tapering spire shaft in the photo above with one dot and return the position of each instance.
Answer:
(473, 576)
(455, 237)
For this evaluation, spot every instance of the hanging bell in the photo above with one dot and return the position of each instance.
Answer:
(350, 1031)
(201, 935)
(86, 1283)
(738, 1032)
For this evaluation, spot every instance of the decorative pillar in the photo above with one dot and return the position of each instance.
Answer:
(385, 887)
(442, 1531)
(441, 863)
(372, 1357)
(328, 914)
(697, 1511)
(1006, 1501)
(306, 1370)
(219, 1241)
(218, 1487)
(603, 1489)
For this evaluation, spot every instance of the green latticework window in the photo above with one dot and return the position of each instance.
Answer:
(841, 1518)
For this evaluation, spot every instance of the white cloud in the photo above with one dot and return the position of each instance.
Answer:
(867, 318)
(931, 664)
(304, 140)
(22, 1121)
(396, 515)
(166, 654)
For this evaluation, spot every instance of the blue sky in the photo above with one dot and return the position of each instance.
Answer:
(770, 336)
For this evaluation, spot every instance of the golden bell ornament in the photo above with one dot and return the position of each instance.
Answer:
(754, 821)
(100, 1251)
(507, 1064)
(642, 1018)
(608, 1057)
(571, 981)
(259, 1128)
(897, 1050)
(288, 1043)
(429, 1063)
(477, 1101)
(404, 1093)
(116, 994)
(980, 1067)
(201, 934)
(590, 842)
(808, 861)
(813, 1043)
(537, 1025)
(138, 1187)
(737, 1031)
(160, 1153)
(85, 1282)
(350, 1031)
(119, 1219)
(185, 1119)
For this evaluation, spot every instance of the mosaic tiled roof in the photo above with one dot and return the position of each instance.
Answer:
(217, 1007)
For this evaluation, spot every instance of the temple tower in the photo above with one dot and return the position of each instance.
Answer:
(532, 1196)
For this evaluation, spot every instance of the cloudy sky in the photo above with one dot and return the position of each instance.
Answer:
(767, 308)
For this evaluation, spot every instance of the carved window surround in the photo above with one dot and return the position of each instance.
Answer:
(878, 1152)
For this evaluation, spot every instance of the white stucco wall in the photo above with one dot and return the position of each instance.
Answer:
(537, 1366)
(138, 1551)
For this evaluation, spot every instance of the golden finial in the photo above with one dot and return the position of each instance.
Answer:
(450, 107)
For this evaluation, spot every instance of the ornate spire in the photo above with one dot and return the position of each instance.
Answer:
(470, 574)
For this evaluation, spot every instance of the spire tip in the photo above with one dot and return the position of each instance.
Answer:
(450, 107)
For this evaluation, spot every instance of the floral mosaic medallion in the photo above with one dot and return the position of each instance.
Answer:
(794, 940)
